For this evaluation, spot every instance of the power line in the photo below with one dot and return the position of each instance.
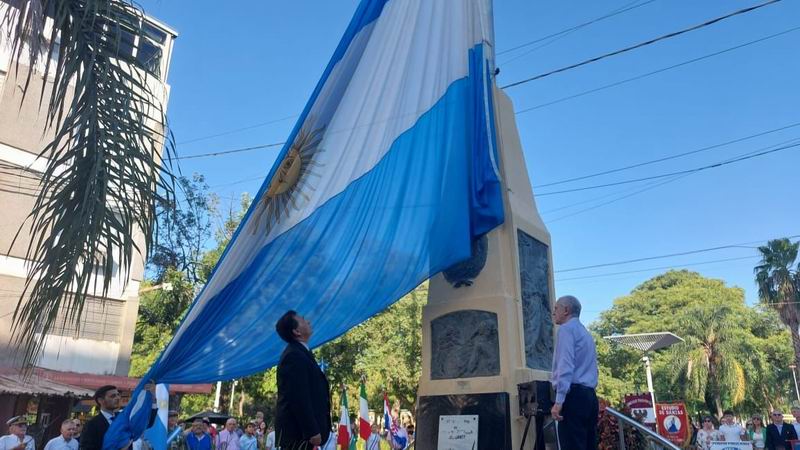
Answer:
(641, 44)
(667, 158)
(624, 9)
(602, 275)
(681, 172)
(237, 130)
(655, 72)
(523, 111)
(228, 152)
(639, 191)
(670, 255)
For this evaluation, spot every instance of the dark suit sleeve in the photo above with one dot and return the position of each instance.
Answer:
(295, 372)
(92, 436)
(153, 415)
(792, 435)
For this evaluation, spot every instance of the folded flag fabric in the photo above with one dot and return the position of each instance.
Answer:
(388, 175)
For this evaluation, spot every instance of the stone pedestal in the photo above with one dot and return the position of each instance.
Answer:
(480, 341)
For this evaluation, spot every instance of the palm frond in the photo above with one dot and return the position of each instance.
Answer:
(105, 171)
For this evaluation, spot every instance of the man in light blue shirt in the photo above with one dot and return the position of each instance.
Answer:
(574, 378)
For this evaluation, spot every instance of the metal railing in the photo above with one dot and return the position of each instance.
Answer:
(654, 440)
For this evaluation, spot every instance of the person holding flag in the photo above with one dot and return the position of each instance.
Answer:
(398, 439)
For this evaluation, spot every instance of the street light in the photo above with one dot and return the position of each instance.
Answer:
(794, 375)
(646, 343)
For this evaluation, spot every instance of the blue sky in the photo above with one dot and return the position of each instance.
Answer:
(250, 62)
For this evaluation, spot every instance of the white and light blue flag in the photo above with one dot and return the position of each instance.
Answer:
(389, 174)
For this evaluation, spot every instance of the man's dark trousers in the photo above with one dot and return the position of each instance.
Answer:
(578, 429)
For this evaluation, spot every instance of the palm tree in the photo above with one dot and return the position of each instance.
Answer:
(713, 363)
(105, 171)
(779, 285)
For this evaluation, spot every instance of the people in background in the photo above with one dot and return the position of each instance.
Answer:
(17, 439)
(78, 430)
(778, 433)
(707, 434)
(758, 434)
(269, 442)
(198, 439)
(64, 441)
(228, 439)
(796, 416)
(731, 431)
(248, 441)
(374, 440)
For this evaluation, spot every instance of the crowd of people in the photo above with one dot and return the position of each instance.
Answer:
(201, 434)
(775, 436)
(19, 439)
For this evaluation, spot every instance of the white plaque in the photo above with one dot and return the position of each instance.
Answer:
(722, 445)
(458, 433)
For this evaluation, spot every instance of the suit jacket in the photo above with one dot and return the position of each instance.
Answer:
(304, 405)
(776, 440)
(95, 430)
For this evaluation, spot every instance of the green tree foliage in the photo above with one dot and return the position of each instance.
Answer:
(733, 355)
(779, 285)
(386, 350)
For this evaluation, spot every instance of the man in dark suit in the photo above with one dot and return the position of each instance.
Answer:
(303, 412)
(108, 400)
(778, 433)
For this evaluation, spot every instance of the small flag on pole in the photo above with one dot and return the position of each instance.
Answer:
(363, 413)
(343, 438)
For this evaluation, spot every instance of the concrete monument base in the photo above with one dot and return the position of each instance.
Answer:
(488, 329)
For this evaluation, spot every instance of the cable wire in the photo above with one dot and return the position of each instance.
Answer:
(655, 72)
(681, 172)
(228, 152)
(670, 255)
(641, 44)
(237, 130)
(628, 7)
(602, 275)
(667, 158)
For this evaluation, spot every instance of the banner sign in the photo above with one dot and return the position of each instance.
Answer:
(673, 423)
(727, 445)
(641, 405)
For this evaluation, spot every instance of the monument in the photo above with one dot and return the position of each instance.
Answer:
(487, 326)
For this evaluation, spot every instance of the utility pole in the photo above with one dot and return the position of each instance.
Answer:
(794, 376)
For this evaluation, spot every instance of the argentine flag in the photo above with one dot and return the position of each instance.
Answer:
(388, 175)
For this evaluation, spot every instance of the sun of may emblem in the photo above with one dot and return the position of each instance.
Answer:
(291, 180)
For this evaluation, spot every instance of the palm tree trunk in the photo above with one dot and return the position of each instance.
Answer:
(795, 342)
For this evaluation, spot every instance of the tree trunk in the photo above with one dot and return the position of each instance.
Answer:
(241, 401)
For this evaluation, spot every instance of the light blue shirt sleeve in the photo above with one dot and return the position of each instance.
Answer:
(564, 362)
(574, 359)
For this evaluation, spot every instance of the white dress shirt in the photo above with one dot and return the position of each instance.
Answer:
(59, 443)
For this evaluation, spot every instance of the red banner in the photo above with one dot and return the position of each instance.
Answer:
(673, 423)
(641, 407)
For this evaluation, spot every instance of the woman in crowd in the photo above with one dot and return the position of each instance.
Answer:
(758, 434)
(707, 434)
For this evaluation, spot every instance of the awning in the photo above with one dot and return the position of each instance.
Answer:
(87, 382)
(37, 385)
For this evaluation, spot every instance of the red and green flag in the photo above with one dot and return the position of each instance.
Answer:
(343, 437)
(364, 429)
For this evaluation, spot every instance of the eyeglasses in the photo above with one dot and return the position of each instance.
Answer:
(777, 414)
(707, 420)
